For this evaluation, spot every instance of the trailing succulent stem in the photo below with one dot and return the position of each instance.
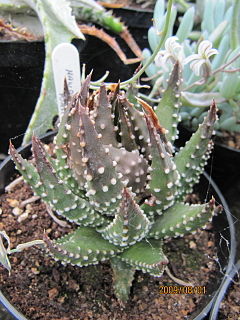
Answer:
(115, 175)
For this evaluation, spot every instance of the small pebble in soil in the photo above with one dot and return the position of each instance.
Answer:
(17, 211)
(192, 245)
(53, 293)
(23, 216)
(13, 202)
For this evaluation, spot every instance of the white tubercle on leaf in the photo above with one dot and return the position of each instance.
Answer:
(66, 65)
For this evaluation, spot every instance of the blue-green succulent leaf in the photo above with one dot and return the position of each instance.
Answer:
(186, 25)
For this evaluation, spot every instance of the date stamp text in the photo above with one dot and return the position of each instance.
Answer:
(182, 290)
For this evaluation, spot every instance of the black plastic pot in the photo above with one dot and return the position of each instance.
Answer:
(135, 17)
(21, 71)
(21, 67)
(223, 226)
(224, 166)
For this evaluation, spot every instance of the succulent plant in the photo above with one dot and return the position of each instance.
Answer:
(207, 36)
(116, 176)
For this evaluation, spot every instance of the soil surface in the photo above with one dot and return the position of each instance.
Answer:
(46, 290)
(230, 306)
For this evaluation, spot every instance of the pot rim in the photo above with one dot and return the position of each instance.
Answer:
(231, 269)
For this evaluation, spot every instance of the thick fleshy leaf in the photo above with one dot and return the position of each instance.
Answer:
(71, 145)
(167, 110)
(164, 176)
(182, 218)
(62, 164)
(132, 166)
(139, 128)
(27, 170)
(58, 195)
(123, 276)
(103, 118)
(191, 159)
(103, 185)
(83, 247)
(146, 256)
(125, 132)
(160, 130)
(52, 190)
(130, 224)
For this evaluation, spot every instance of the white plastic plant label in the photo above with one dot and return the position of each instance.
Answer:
(66, 65)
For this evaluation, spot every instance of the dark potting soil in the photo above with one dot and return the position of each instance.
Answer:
(230, 306)
(43, 289)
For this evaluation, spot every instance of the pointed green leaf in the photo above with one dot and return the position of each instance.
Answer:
(167, 110)
(62, 163)
(27, 170)
(164, 176)
(123, 276)
(130, 224)
(103, 118)
(191, 159)
(181, 219)
(58, 196)
(83, 247)
(126, 130)
(138, 125)
(146, 256)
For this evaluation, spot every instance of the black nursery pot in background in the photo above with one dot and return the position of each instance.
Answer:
(224, 166)
(21, 70)
(222, 224)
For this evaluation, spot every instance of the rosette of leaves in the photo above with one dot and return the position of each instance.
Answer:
(116, 176)
(218, 23)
